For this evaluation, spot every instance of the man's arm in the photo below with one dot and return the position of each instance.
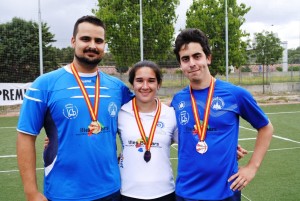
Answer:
(247, 173)
(27, 165)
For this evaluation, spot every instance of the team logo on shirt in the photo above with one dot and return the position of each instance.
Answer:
(181, 105)
(184, 117)
(217, 103)
(112, 109)
(160, 124)
(70, 111)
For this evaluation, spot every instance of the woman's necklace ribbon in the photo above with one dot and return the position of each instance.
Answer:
(148, 142)
(201, 146)
(95, 126)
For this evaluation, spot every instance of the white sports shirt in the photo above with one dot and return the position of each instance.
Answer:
(140, 179)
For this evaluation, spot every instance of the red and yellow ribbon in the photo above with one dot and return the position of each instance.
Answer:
(140, 125)
(201, 129)
(93, 110)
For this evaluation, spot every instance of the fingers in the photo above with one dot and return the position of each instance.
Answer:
(239, 184)
(240, 155)
(241, 152)
(46, 142)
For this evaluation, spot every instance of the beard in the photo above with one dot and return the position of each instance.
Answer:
(89, 62)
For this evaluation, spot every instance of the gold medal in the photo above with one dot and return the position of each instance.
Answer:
(201, 147)
(94, 127)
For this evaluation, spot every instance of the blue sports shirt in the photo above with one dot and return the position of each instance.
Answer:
(77, 166)
(204, 176)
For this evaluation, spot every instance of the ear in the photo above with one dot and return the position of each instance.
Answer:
(73, 42)
(209, 57)
(158, 87)
(180, 67)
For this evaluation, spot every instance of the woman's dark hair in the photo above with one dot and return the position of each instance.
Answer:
(145, 63)
(90, 19)
(191, 35)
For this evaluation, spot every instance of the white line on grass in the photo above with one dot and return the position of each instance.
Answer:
(274, 136)
(284, 112)
(281, 149)
(6, 127)
(8, 156)
(246, 197)
(243, 139)
(283, 138)
(174, 146)
(8, 171)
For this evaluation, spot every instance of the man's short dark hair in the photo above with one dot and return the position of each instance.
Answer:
(90, 19)
(191, 35)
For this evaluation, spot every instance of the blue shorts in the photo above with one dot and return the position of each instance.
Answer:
(236, 197)
(112, 197)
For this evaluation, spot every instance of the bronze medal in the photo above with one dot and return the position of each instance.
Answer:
(147, 156)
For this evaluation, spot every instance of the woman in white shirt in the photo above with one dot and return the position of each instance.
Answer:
(147, 128)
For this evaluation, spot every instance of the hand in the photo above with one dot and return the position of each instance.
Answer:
(242, 178)
(241, 152)
(37, 196)
(46, 142)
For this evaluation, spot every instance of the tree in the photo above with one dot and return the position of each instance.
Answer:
(122, 19)
(209, 16)
(294, 56)
(64, 55)
(19, 50)
(267, 48)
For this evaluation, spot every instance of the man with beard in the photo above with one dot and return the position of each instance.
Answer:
(77, 105)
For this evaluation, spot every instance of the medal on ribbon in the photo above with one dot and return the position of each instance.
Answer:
(201, 146)
(95, 126)
(147, 142)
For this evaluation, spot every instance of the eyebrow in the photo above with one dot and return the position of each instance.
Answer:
(195, 54)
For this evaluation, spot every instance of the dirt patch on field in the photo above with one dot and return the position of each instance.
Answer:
(263, 99)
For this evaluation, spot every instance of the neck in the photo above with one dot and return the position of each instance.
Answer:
(201, 84)
(146, 107)
(83, 68)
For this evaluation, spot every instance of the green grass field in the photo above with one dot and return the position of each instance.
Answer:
(277, 179)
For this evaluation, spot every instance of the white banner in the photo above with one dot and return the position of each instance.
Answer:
(12, 93)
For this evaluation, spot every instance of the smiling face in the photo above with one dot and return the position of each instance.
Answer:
(89, 46)
(194, 63)
(145, 86)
